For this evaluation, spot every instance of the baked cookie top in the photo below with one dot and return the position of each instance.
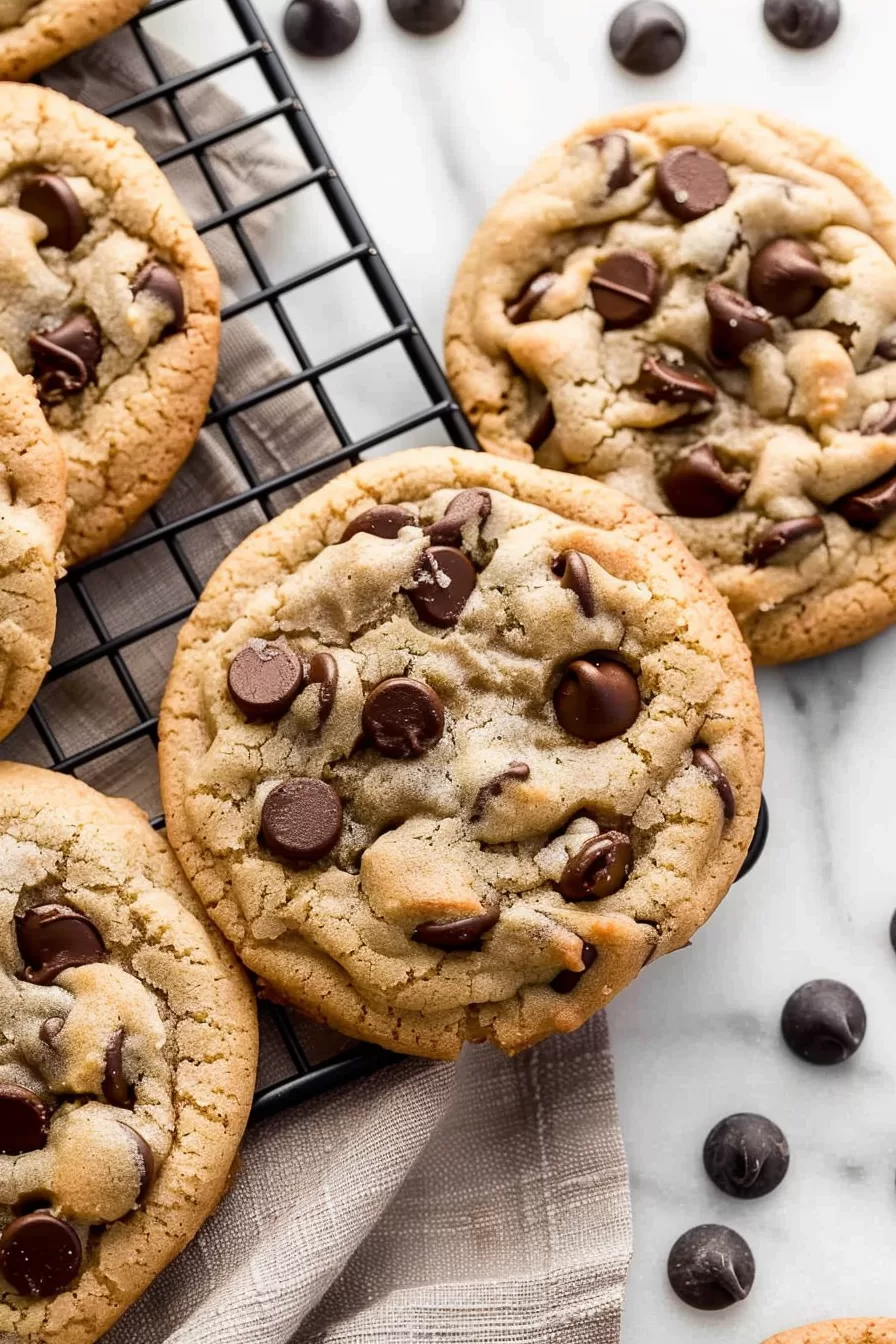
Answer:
(127, 1060)
(37, 33)
(865, 1331)
(698, 306)
(453, 747)
(32, 520)
(109, 299)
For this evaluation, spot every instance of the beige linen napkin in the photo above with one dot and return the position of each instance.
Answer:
(482, 1201)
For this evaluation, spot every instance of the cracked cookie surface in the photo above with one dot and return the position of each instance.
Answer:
(37, 33)
(454, 746)
(865, 1331)
(109, 298)
(698, 306)
(127, 1062)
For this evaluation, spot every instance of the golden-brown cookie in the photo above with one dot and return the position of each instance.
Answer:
(866, 1331)
(456, 769)
(37, 33)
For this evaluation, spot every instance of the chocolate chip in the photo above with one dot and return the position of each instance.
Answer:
(543, 428)
(515, 771)
(572, 571)
(383, 520)
(691, 183)
(567, 981)
(24, 1120)
(66, 359)
(324, 672)
(52, 938)
(802, 23)
(321, 27)
(423, 18)
(470, 506)
(844, 331)
(786, 278)
(746, 1156)
(40, 1255)
(866, 509)
(457, 935)
(625, 287)
(698, 486)
(302, 819)
(264, 679)
(403, 718)
(886, 347)
(50, 198)
(758, 843)
(599, 869)
(146, 1160)
(597, 699)
(162, 284)
(711, 1267)
(50, 1030)
(615, 147)
(735, 323)
(647, 37)
(824, 1022)
(717, 777)
(786, 543)
(660, 380)
(893, 931)
(885, 423)
(445, 580)
(116, 1088)
(529, 297)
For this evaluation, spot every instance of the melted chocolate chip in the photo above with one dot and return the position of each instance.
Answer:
(116, 1088)
(403, 718)
(885, 423)
(321, 27)
(50, 1030)
(445, 581)
(543, 428)
(264, 679)
(866, 509)
(660, 380)
(456, 935)
(803, 24)
(529, 297)
(51, 200)
(162, 284)
(824, 1022)
(615, 149)
(572, 571)
(383, 520)
(647, 37)
(691, 183)
(517, 770)
(66, 359)
(698, 486)
(786, 278)
(567, 981)
(146, 1160)
(423, 18)
(886, 347)
(711, 1267)
(717, 777)
(40, 1255)
(470, 506)
(24, 1120)
(302, 819)
(625, 287)
(324, 673)
(597, 699)
(786, 543)
(600, 868)
(735, 323)
(53, 938)
(746, 1156)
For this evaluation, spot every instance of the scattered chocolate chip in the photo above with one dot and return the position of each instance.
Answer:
(597, 699)
(264, 679)
(529, 297)
(423, 18)
(758, 843)
(711, 1267)
(162, 284)
(66, 359)
(785, 278)
(543, 428)
(50, 1030)
(470, 506)
(802, 23)
(302, 819)
(40, 1255)
(383, 520)
(24, 1120)
(746, 1156)
(445, 580)
(572, 571)
(324, 672)
(403, 718)
(51, 200)
(866, 509)
(53, 938)
(691, 183)
(886, 347)
(116, 1088)
(457, 935)
(735, 323)
(824, 1022)
(717, 777)
(147, 1161)
(660, 380)
(599, 869)
(625, 287)
(517, 770)
(698, 486)
(615, 147)
(893, 931)
(786, 543)
(321, 27)
(567, 981)
(647, 37)
(885, 423)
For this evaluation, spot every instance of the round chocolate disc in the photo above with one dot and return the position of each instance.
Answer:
(24, 1120)
(803, 24)
(597, 699)
(264, 679)
(824, 1022)
(53, 938)
(321, 27)
(445, 581)
(711, 1267)
(625, 287)
(647, 37)
(424, 18)
(50, 198)
(302, 819)
(600, 868)
(40, 1255)
(403, 718)
(691, 183)
(746, 1156)
(383, 520)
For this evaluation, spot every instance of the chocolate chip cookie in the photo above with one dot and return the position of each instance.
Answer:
(110, 301)
(698, 306)
(127, 1063)
(454, 746)
(37, 33)
(867, 1331)
(32, 520)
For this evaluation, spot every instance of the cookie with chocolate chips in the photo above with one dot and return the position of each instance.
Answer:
(38, 33)
(110, 302)
(712, 331)
(538, 769)
(121, 1103)
(867, 1330)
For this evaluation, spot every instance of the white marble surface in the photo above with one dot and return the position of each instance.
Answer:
(427, 133)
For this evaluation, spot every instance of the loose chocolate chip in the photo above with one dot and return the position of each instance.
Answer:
(24, 1120)
(529, 297)
(893, 931)
(786, 278)
(40, 1255)
(615, 147)
(66, 359)
(50, 1030)
(162, 284)
(543, 428)
(457, 935)
(746, 1156)
(53, 938)
(321, 27)
(698, 486)
(264, 679)
(711, 1267)
(691, 183)
(597, 699)
(735, 323)
(661, 380)
(786, 543)
(423, 18)
(51, 199)
(324, 672)
(383, 520)
(403, 718)
(717, 777)
(467, 507)
(572, 571)
(116, 1088)
(647, 37)
(599, 869)
(868, 508)
(494, 789)
(885, 423)
(802, 23)
(886, 347)
(567, 981)
(445, 580)
(626, 287)
(302, 819)
(824, 1022)
(147, 1161)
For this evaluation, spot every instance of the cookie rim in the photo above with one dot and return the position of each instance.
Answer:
(56, 28)
(848, 1330)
